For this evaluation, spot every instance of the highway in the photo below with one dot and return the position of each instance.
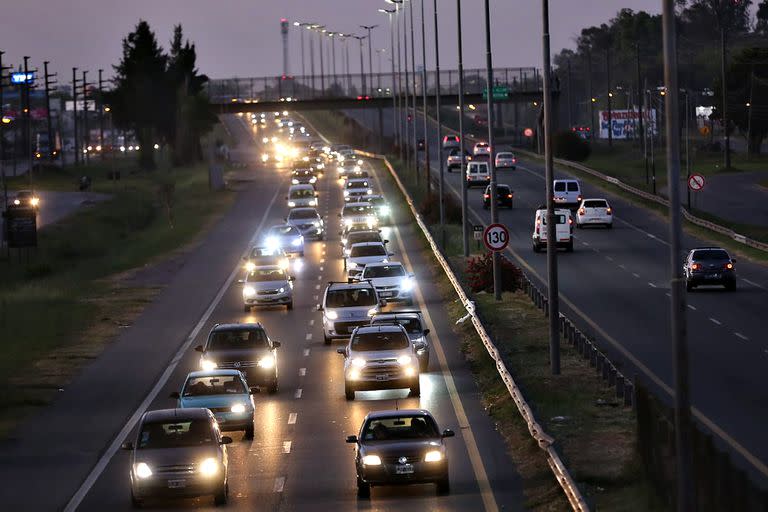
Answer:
(298, 459)
(615, 285)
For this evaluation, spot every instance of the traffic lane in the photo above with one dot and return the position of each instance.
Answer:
(44, 476)
(256, 465)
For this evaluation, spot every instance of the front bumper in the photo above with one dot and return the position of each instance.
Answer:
(171, 485)
(394, 294)
(229, 421)
(387, 474)
(366, 384)
(334, 329)
(267, 300)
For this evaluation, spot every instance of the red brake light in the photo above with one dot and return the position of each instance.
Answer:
(695, 266)
(578, 198)
(509, 196)
(729, 266)
(486, 196)
(582, 211)
(570, 220)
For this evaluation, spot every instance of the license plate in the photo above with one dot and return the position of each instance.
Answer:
(177, 484)
(382, 377)
(404, 469)
(386, 294)
(712, 276)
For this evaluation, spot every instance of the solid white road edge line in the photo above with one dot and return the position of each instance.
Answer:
(110, 452)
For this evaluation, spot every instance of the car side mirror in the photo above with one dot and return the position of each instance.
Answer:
(254, 389)
(351, 439)
(338, 215)
(199, 348)
(319, 307)
(342, 351)
(225, 440)
(175, 395)
(126, 446)
(317, 195)
(411, 274)
(448, 433)
(386, 241)
(292, 278)
(276, 344)
(382, 302)
(390, 254)
(426, 331)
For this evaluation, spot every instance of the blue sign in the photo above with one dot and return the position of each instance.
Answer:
(23, 78)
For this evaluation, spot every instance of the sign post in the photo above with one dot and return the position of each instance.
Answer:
(477, 234)
(496, 237)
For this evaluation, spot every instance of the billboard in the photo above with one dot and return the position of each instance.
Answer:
(624, 123)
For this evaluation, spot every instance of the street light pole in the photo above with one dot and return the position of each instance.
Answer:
(408, 126)
(320, 32)
(390, 12)
(464, 192)
(552, 284)
(439, 130)
(101, 114)
(362, 69)
(686, 492)
(312, 60)
(370, 58)
(427, 167)
(301, 36)
(415, 144)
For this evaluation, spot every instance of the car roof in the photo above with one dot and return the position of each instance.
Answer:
(380, 328)
(237, 327)
(192, 413)
(349, 286)
(381, 264)
(393, 413)
(301, 186)
(365, 244)
(565, 179)
(212, 373)
(302, 209)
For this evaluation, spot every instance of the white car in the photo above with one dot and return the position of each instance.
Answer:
(481, 148)
(563, 231)
(346, 306)
(477, 174)
(356, 188)
(267, 286)
(566, 192)
(593, 212)
(506, 160)
(380, 357)
(301, 196)
(358, 214)
(346, 154)
(364, 253)
(307, 221)
(391, 281)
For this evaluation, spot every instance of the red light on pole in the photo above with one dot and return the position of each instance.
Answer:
(528, 132)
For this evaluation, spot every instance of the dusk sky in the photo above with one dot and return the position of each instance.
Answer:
(242, 38)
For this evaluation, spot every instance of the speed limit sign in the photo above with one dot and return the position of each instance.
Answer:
(496, 237)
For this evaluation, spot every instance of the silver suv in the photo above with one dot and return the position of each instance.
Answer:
(267, 286)
(380, 357)
(347, 305)
(413, 323)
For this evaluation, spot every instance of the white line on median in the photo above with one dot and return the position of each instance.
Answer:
(287, 446)
(297, 394)
(279, 484)
(302, 372)
(691, 307)
(312, 322)
(292, 418)
(651, 284)
(306, 352)
(308, 336)
(715, 321)
(739, 335)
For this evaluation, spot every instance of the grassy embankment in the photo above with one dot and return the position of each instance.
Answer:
(59, 307)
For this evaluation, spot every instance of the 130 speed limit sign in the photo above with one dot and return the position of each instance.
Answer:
(496, 237)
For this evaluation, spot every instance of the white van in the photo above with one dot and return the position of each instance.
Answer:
(477, 174)
(567, 193)
(564, 230)
(301, 196)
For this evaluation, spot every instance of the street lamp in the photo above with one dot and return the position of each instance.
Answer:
(301, 32)
(362, 69)
(464, 198)
(378, 66)
(389, 13)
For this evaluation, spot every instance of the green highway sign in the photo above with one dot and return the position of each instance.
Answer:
(500, 92)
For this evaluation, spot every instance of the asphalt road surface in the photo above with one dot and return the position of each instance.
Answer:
(55, 205)
(615, 285)
(298, 459)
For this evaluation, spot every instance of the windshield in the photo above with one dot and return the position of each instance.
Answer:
(356, 210)
(383, 271)
(283, 231)
(367, 341)
(357, 184)
(412, 325)
(560, 219)
(266, 274)
(711, 254)
(401, 427)
(263, 253)
(176, 434)
(302, 214)
(240, 339)
(218, 385)
(302, 192)
(350, 298)
(595, 204)
(361, 237)
(367, 250)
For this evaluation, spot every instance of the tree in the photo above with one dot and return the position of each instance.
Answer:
(140, 97)
(761, 27)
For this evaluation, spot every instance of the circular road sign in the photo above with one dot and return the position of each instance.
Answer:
(496, 237)
(528, 132)
(696, 182)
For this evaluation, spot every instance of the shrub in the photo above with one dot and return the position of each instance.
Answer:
(430, 209)
(479, 272)
(570, 146)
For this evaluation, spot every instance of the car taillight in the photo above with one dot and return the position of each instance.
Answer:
(486, 196)
(695, 266)
(570, 220)
(582, 211)
(537, 228)
(608, 211)
(514, 160)
(578, 198)
(509, 196)
(728, 266)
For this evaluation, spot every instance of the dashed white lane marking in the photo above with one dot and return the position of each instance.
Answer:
(292, 418)
(315, 297)
(622, 267)
(312, 322)
(651, 284)
(279, 484)
(302, 372)
(636, 275)
(691, 307)
(651, 236)
(609, 258)
(753, 283)
(287, 446)
(321, 268)
(668, 294)
(585, 243)
(309, 336)
(317, 287)
(739, 335)
(715, 321)
(297, 394)
(322, 260)
(319, 278)
(306, 352)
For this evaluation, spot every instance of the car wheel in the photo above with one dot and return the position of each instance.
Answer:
(349, 392)
(221, 497)
(444, 486)
(363, 489)
(485, 206)
(246, 309)
(290, 305)
(688, 286)
(326, 339)
(272, 389)
(569, 247)
(136, 502)
(536, 247)
(416, 389)
(249, 430)
(424, 365)
(731, 286)
(579, 226)
(609, 225)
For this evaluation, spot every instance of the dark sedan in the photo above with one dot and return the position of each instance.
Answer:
(709, 266)
(400, 447)
(504, 196)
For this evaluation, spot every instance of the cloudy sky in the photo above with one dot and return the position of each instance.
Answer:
(242, 37)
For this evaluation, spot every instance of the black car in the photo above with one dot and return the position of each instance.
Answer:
(244, 347)
(709, 265)
(400, 447)
(305, 176)
(504, 196)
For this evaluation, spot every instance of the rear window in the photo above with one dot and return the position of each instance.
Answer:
(595, 204)
(573, 186)
(217, 385)
(302, 192)
(302, 214)
(403, 427)
(559, 186)
(240, 339)
(560, 219)
(396, 340)
(351, 297)
(362, 209)
(710, 254)
(266, 275)
(367, 250)
(505, 155)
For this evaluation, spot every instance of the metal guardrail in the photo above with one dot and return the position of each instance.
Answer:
(545, 441)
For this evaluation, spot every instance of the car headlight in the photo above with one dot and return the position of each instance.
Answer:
(370, 191)
(296, 242)
(16, 202)
(237, 408)
(312, 202)
(346, 193)
(249, 291)
(371, 460)
(404, 360)
(410, 371)
(347, 222)
(433, 456)
(142, 470)
(284, 264)
(316, 223)
(208, 365)
(264, 157)
(267, 362)
(331, 315)
(358, 362)
(384, 210)
(282, 290)
(343, 241)
(295, 181)
(209, 467)
(250, 266)
(407, 284)
(297, 266)
(291, 204)
(312, 180)
(372, 311)
(35, 201)
(360, 162)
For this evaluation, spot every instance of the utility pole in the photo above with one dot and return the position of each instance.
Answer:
(389, 13)
(101, 115)
(570, 100)
(724, 80)
(415, 144)
(427, 163)
(591, 98)
(686, 491)
(609, 95)
(28, 83)
(370, 57)
(86, 127)
(74, 116)
(464, 192)
(439, 130)
(408, 126)
(49, 126)
(312, 61)
(2, 132)
(491, 144)
(552, 284)
(640, 96)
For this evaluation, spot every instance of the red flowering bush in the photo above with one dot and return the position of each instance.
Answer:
(479, 272)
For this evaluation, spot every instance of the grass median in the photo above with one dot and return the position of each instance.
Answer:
(61, 303)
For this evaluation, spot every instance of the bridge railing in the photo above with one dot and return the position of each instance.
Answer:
(333, 86)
